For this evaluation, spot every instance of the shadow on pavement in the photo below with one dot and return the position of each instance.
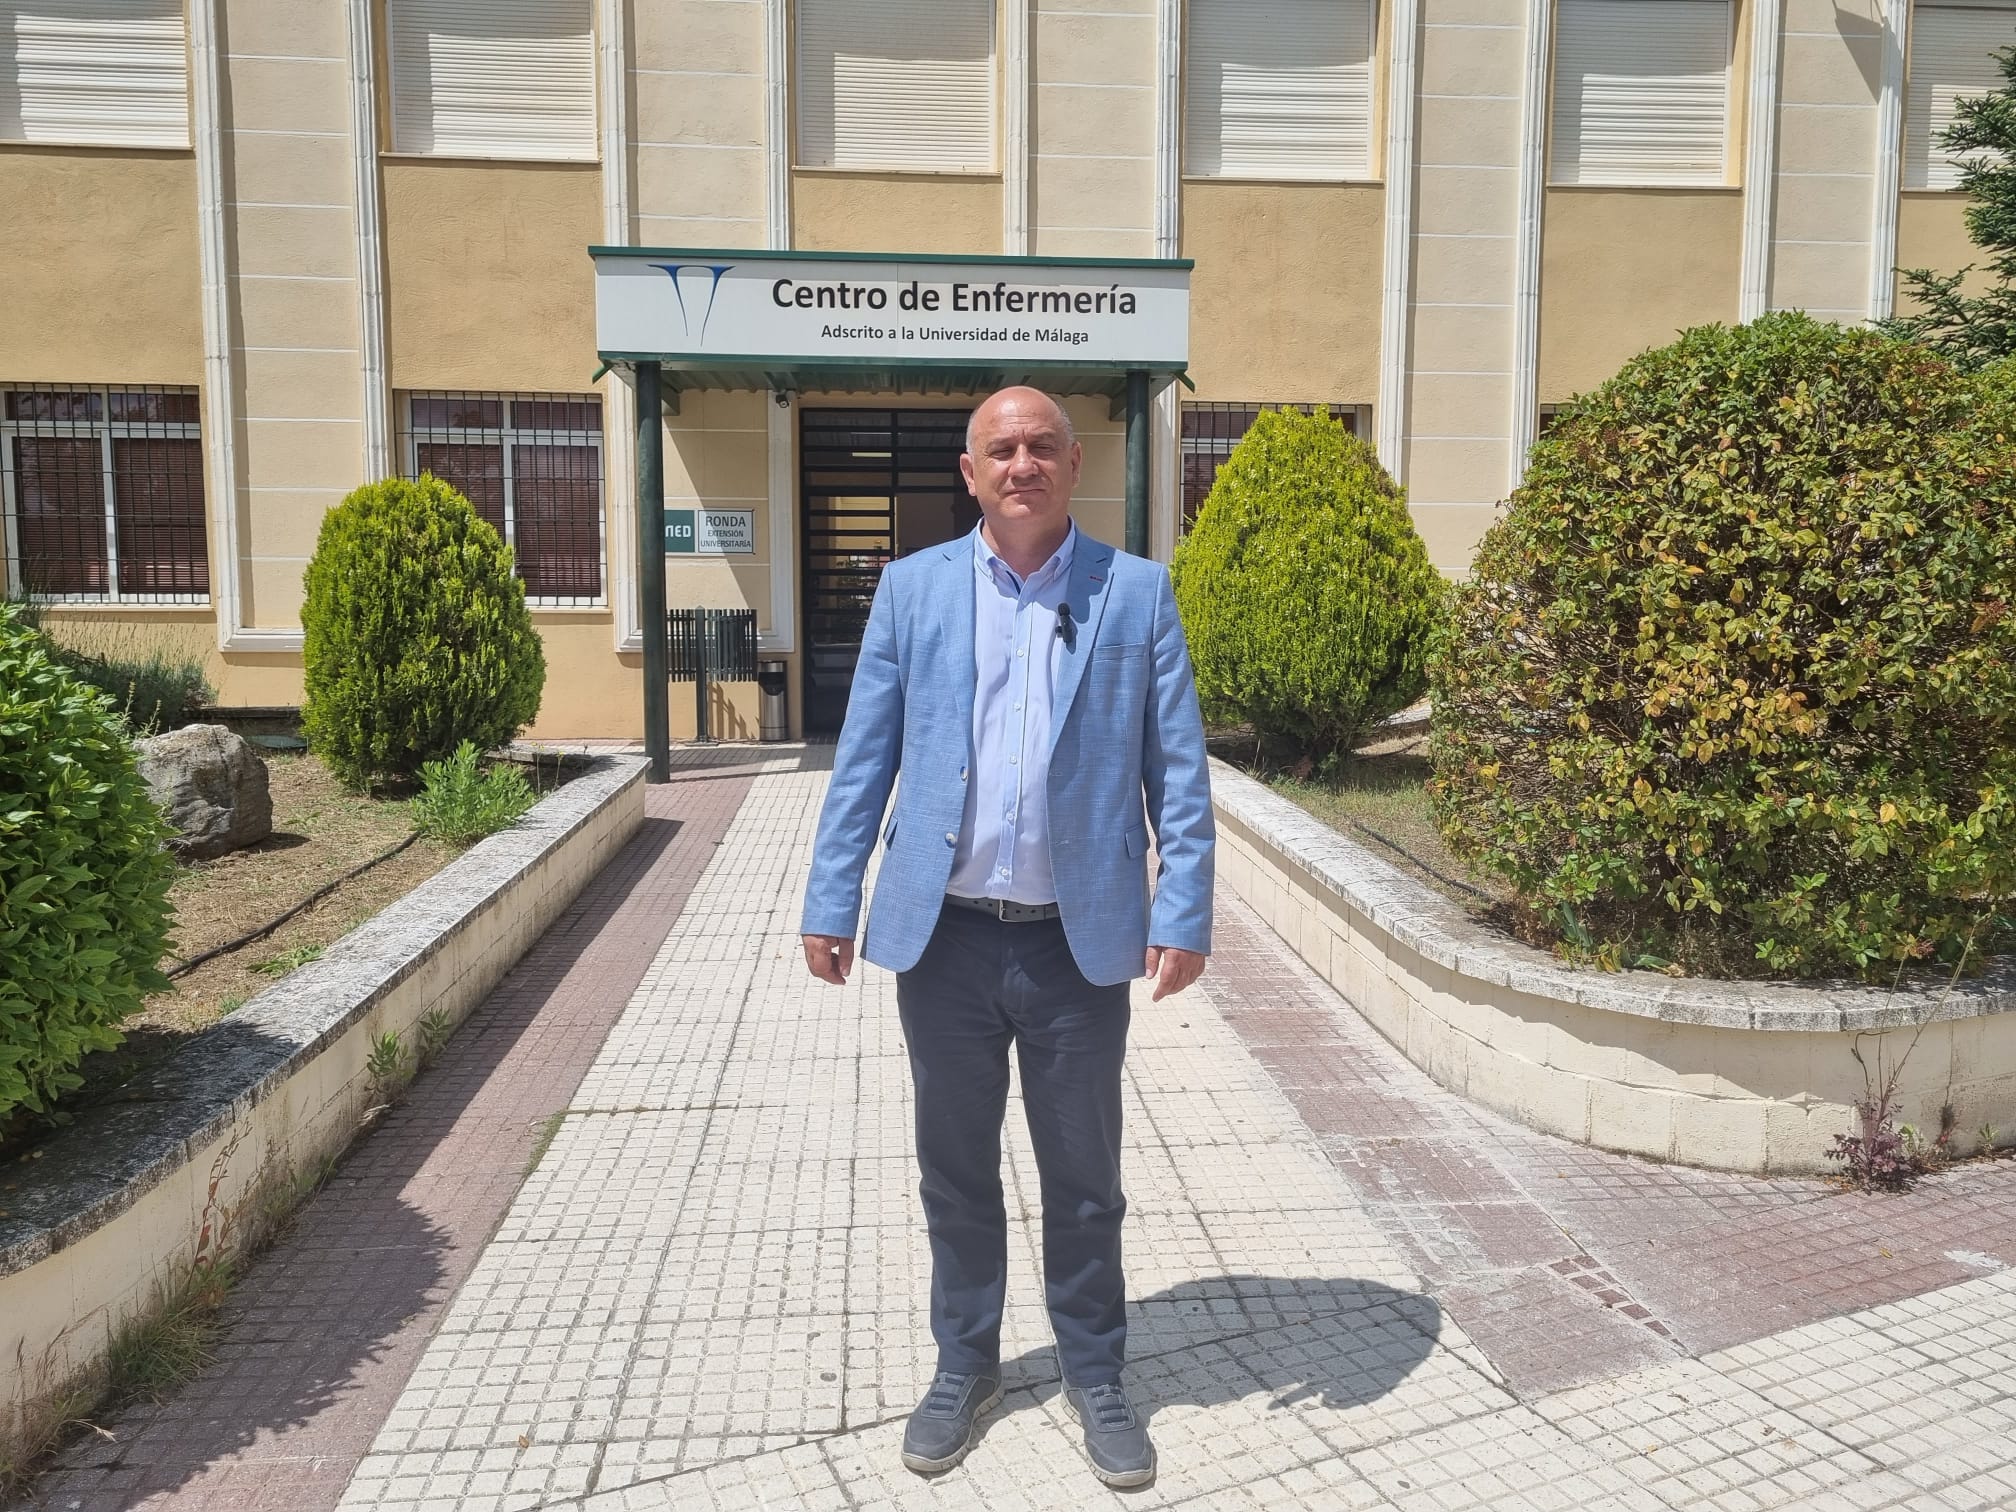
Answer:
(1339, 1343)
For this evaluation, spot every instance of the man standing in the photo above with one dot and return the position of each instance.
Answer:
(1033, 688)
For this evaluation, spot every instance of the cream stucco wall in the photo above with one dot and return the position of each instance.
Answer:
(121, 225)
(1932, 233)
(488, 276)
(1622, 270)
(835, 211)
(1284, 301)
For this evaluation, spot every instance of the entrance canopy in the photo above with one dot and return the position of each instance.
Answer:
(866, 322)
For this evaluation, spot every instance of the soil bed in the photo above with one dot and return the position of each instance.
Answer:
(1377, 798)
(320, 832)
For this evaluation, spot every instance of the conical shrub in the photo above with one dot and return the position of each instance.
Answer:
(416, 635)
(1306, 594)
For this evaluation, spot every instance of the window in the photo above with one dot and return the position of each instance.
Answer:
(103, 494)
(1279, 89)
(1210, 431)
(1641, 91)
(1953, 51)
(493, 78)
(532, 466)
(896, 84)
(111, 73)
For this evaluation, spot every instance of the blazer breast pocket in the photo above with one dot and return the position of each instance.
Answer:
(1119, 650)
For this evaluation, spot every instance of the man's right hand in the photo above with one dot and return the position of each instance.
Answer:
(829, 957)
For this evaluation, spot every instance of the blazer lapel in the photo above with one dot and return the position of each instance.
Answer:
(1091, 574)
(955, 608)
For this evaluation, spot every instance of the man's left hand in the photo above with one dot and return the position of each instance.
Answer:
(1172, 969)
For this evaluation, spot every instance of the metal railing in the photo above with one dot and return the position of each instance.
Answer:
(708, 646)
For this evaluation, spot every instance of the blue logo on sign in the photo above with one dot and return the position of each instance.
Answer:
(712, 273)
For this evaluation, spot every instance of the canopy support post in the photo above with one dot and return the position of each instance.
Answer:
(1137, 461)
(651, 572)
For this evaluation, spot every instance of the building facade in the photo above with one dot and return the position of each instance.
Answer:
(258, 251)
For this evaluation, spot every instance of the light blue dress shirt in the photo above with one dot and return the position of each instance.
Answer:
(1004, 841)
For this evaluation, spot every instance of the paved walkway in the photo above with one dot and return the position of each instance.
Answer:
(1351, 1289)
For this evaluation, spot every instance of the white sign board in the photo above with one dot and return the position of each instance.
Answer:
(690, 308)
(710, 532)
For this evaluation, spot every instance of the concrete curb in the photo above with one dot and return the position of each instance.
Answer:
(1748, 1076)
(135, 1191)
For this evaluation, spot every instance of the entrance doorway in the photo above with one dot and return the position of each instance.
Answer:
(875, 484)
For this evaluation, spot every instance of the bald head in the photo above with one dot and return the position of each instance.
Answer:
(1019, 400)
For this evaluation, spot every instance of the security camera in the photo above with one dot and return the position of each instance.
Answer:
(783, 399)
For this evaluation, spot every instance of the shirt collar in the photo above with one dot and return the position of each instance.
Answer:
(991, 565)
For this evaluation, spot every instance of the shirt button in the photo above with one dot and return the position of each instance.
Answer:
(1020, 652)
(1013, 759)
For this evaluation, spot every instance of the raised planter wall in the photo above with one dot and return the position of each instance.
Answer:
(118, 1204)
(1751, 1076)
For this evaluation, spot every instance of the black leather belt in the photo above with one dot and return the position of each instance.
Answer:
(1006, 912)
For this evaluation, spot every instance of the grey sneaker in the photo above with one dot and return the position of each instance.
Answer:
(941, 1429)
(1116, 1441)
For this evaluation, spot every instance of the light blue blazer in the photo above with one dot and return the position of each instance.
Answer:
(1127, 753)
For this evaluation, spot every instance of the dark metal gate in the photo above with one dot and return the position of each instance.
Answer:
(875, 484)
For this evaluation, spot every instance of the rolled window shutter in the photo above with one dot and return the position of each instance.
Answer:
(896, 84)
(110, 73)
(1953, 51)
(493, 78)
(1279, 89)
(1641, 91)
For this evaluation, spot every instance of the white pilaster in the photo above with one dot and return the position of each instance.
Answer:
(1760, 192)
(1526, 242)
(1395, 291)
(619, 422)
(376, 399)
(1015, 127)
(777, 123)
(220, 406)
(1889, 161)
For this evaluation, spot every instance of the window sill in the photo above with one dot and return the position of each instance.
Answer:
(481, 157)
(1647, 188)
(968, 175)
(127, 606)
(569, 611)
(120, 148)
(1285, 183)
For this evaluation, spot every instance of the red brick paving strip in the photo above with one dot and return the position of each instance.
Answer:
(320, 1335)
(1566, 1264)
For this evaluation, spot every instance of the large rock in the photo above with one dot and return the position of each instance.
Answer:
(212, 787)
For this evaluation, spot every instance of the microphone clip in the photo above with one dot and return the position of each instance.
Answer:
(1066, 630)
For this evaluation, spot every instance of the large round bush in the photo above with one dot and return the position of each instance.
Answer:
(84, 879)
(1305, 592)
(416, 634)
(1734, 682)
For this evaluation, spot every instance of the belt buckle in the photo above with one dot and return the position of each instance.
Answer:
(1000, 909)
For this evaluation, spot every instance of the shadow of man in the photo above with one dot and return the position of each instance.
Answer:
(1332, 1343)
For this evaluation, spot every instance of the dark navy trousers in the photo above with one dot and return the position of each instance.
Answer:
(981, 986)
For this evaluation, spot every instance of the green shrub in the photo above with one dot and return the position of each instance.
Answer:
(416, 635)
(84, 879)
(154, 687)
(460, 803)
(1306, 595)
(1734, 682)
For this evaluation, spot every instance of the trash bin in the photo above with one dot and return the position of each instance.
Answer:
(775, 713)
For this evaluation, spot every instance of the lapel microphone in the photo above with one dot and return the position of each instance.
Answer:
(1064, 627)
